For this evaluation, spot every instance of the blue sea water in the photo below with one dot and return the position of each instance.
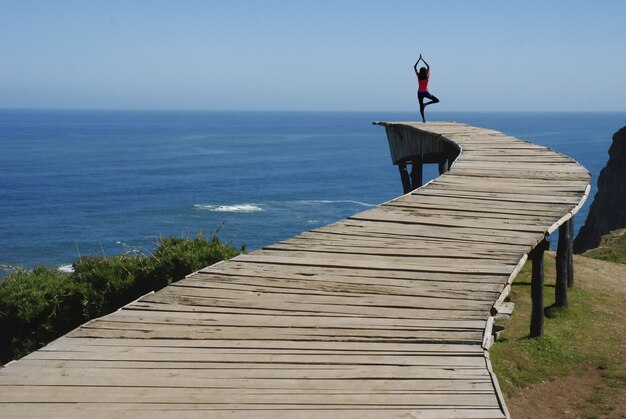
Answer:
(101, 182)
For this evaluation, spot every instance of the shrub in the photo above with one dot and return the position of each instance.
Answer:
(38, 306)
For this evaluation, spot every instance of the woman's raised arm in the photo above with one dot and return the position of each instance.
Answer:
(416, 63)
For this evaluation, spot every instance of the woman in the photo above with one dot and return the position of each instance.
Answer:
(422, 91)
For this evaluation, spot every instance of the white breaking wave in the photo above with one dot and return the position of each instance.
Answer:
(231, 208)
(68, 269)
(277, 205)
(341, 201)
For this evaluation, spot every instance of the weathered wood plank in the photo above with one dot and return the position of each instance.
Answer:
(376, 264)
(310, 300)
(468, 203)
(221, 399)
(388, 276)
(399, 261)
(226, 320)
(175, 378)
(389, 215)
(289, 307)
(75, 343)
(501, 196)
(339, 283)
(393, 230)
(320, 287)
(410, 241)
(493, 187)
(191, 411)
(249, 371)
(362, 247)
(213, 360)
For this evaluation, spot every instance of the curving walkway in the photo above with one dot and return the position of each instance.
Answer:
(384, 314)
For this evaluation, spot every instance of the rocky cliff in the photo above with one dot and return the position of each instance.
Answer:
(608, 209)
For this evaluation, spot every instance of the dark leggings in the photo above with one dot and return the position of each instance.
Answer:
(420, 97)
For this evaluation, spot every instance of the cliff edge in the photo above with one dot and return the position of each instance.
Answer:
(608, 209)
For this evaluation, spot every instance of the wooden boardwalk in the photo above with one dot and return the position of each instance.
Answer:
(385, 314)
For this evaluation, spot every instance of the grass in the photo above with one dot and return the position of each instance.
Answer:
(590, 333)
(38, 306)
(612, 248)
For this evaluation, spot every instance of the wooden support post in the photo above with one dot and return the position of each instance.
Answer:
(570, 254)
(417, 172)
(562, 265)
(404, 177)
(443, 166)
(536, 289)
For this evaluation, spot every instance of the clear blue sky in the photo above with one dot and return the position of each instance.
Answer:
(312, 55)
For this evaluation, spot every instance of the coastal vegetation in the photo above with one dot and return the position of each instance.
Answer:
(40, 305)
(586, 339)
(612, 248)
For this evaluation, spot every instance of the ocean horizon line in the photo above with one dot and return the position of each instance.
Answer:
(315, 111)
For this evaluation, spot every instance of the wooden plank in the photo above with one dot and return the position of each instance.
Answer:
(221, 399)
(497, 187)
(241, 371)
(532, 155)
(561, 168)
(361, 247)
(460, 203)
(258, 257)
(399, 261)
(241, 320)
(518, 174)
(67, 342)
(162, 410)
(319, 287)
(299, 308)
(501, 196)
(369, 285)
(311, 300)
(349, 284)
(398, 229)
(389, 215)
(175, 378)
(392, 230)
(557, 184)
(362, 284)
(337, 273)
(407, 241)
(194, 305)
(213, 360)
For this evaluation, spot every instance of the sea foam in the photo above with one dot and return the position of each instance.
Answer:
(68, 269)
(336, 201)
(231, 208)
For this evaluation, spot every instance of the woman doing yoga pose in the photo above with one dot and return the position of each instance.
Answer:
(422, 91)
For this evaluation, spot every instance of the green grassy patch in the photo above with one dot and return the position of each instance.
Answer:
(38, 306)
(612, 248)
(587, 334)
(521, 361)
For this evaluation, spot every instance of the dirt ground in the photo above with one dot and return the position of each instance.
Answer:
(555, 399)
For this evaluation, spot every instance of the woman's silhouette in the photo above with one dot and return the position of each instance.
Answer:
(422, 91)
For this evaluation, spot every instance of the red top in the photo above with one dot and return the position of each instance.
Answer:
(423, 85)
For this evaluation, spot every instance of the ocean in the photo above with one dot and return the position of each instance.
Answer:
(104, 182)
